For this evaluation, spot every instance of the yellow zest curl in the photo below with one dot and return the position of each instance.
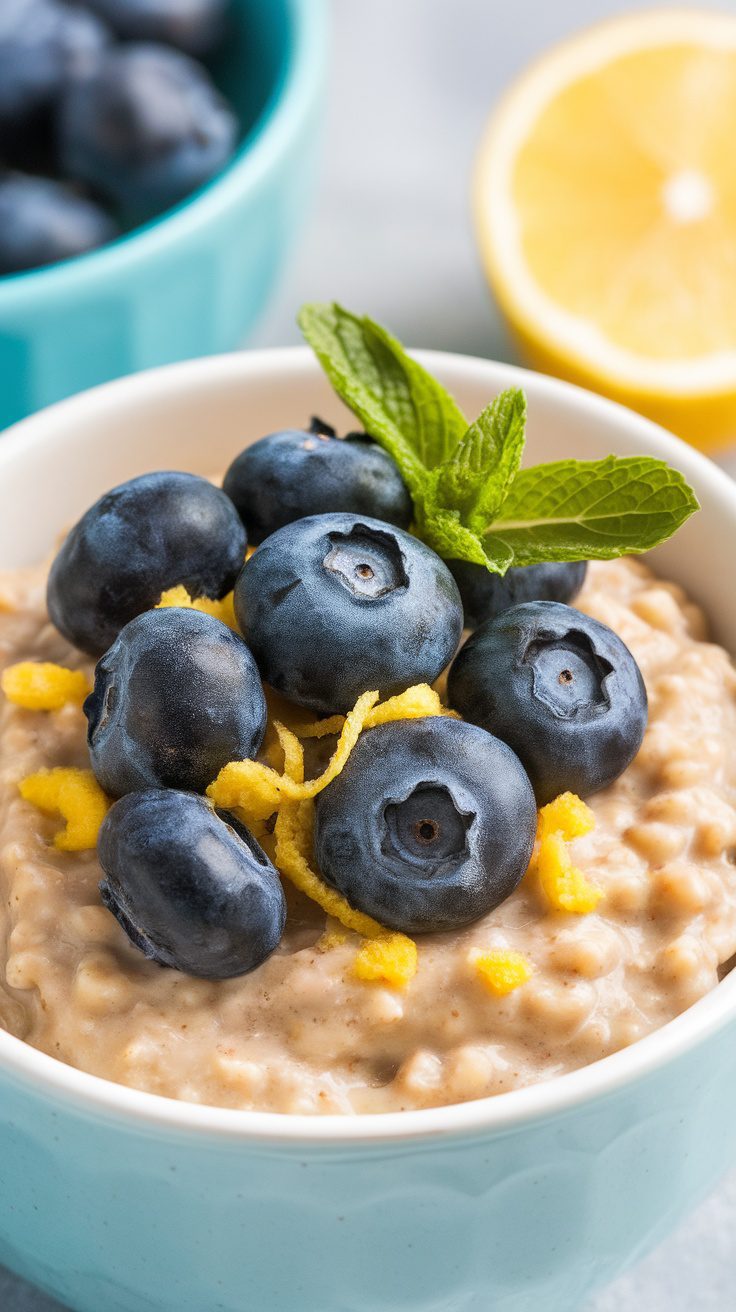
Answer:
(257, 790)
(500, 970)
(415, 704)
(394, 956)
(223, 610)
(43, 686)
(390, 959)
(294, 834)
(566, 815)
(74, 794)
(565, 887)
(320, 728)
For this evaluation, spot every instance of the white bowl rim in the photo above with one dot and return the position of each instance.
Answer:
(502, 1113)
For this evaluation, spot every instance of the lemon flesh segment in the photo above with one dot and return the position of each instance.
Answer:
(606, 210)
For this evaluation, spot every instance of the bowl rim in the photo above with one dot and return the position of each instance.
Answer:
(290, 100)
(501, 1113)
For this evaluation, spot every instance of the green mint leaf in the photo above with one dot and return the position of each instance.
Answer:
(471, 500)
(400, 404)
(591, 510)
(445, 534)
(477, 476)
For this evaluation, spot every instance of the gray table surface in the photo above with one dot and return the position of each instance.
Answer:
(411, 82)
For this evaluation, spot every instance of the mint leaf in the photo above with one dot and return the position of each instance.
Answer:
(471, 500)
(445, 534)
(590, 510)
(476, 478)
(399, 403)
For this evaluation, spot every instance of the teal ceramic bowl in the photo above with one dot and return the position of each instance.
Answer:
(193, 281)
(120, 1201)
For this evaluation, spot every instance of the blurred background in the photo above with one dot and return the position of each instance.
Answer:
(409, 92)
(409, 86)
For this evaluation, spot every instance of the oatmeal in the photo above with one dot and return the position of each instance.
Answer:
(304, 1033)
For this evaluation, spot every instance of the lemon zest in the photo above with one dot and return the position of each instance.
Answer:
(567, 815)
(43, 686)
(319, 728)
(416, 703)
(293, 752)
(259, 790)
(565, 887)
(396, 961)
(75, 795)
(294, 832)
(223, 609)
(391, 959)
(501, 970)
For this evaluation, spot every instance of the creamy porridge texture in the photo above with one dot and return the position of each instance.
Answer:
(302, 1033)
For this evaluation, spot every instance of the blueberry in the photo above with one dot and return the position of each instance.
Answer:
(139, 539)
(429, 825)
(145, 127)
(190, 886)
(560, 688)
(295, 473)
(42, 221)
(334, 605)
(42, 42)
(195, 26)
(176, 697)
(485, 595)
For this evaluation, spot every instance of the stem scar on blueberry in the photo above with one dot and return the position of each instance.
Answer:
(427, 825)
(427, 831)
(367, 562)
(581, 680)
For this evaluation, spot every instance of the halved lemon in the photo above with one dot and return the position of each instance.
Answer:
(605, 204)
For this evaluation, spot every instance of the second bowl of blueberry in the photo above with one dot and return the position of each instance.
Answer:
(155, 161)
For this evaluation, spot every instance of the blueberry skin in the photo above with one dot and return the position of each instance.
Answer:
(190, 886)
(43, 221)
(291, 474)
(142, 537)
(176, 697)
(194, 26)
(333, 606)
(429, 825)
(560, 688)
(145, 127)
(485, 595)
(42, 43)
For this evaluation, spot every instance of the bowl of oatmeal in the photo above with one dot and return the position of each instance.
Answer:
(299, 1137)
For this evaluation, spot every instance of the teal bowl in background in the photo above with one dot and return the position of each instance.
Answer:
(193, 281)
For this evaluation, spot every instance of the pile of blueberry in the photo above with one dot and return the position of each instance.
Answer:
(107, 118)
(431, 823)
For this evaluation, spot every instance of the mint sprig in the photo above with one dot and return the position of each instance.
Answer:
(472, 501)
(399, 403)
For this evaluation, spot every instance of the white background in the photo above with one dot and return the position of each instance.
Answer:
(411, 82)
